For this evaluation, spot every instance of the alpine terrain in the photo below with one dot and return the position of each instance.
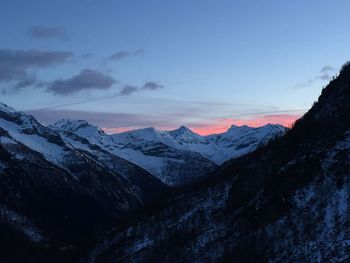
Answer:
(177, 157)
(285, 202)
(65, 185)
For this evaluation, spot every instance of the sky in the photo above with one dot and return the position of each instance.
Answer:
(204, 64)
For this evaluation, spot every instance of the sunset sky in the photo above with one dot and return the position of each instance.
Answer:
(204, 64)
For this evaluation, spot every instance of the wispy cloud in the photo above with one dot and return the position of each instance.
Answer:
(125, 54)
(119, 55)
(140, 51)
(128, 90)
(152, 85)
(327, 69)
(44, 32)
(325, 74)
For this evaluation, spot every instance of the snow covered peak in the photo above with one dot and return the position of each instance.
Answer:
(182, 130)
(80, 127)
(273, 127)
(144, 136)
(236, 128)
(268, 128)
(149, 133)
(71, 125)
(5, 108)
(184, 134)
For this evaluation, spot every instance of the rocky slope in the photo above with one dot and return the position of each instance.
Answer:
(285, 202)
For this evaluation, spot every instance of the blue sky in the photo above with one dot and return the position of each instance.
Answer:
(213, 62)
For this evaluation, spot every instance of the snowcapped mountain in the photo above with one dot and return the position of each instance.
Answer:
(176, 157)
(218, 148)
(47, 184)
(64, 151)
(146, 185)
(237, 141)
(286, 202)
(154, 151)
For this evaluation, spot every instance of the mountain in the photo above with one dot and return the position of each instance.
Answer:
(55, 198)
(145, 185)
(285, 202)
(152, 150)
(237, 141)
(177, 157)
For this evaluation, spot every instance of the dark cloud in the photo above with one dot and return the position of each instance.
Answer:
(140, 51)
(41, 32)
(87, 79)
(119, 55)
(326, 73)
(25, 82)
(16, 64)
(326, 69)
(128, 90)
(151, 85)
(324, 76)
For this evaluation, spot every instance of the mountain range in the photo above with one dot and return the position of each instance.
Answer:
(63, 185)
(176, 157)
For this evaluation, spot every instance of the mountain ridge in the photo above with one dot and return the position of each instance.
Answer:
(163, 153)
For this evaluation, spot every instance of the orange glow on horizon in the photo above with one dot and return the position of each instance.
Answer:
(283, 119)
(222, 125)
